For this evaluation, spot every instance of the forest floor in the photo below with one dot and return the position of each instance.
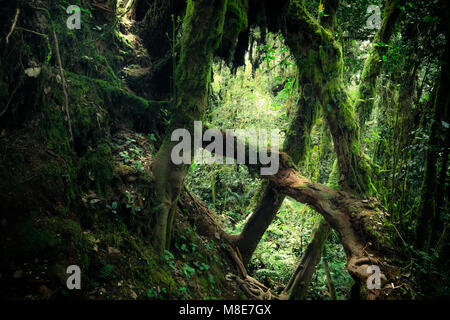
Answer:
(117, 261)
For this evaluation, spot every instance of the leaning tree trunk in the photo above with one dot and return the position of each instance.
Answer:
(296, 145)
(202, 31)
(326, 269)
(300, 280)
(360, 223)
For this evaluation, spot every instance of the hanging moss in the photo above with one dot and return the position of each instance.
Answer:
(235, 33)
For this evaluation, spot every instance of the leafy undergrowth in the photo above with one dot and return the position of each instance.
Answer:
(111, 250)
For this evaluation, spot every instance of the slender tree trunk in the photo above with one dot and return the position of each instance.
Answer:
(440, 195)
(331, 289)
(299, 282)
(258, 222)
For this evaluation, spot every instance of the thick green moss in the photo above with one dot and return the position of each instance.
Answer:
(36, 241)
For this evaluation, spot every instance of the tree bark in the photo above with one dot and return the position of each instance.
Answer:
(365, 239)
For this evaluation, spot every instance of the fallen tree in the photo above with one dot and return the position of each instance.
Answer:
(359, 222)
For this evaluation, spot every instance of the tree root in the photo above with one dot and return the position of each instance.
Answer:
(13, 25)
(208, 226)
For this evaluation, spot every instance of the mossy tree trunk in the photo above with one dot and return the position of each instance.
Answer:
(374, 63)
(202, 32)
(296, 145)
(326, 269)
(427, 206)
(354, 169)
(319, 57)
(318, 78)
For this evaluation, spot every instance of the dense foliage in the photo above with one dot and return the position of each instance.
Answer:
(85, 122)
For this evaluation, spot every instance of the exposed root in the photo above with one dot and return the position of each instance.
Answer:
(13, 25)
